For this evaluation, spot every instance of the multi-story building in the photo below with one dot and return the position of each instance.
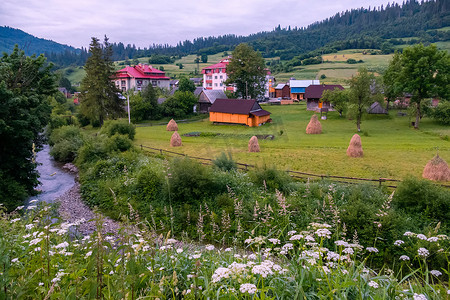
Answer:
(139, 76)
(214, 76)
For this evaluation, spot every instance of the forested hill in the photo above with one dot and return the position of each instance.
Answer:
(29, 43)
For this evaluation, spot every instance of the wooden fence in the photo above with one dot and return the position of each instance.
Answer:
(388, 182)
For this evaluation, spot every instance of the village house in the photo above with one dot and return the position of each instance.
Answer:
(313, 95)
(207, 98)
(298, 88)
(214, 76)
(283, 91)
(139, 76)
(238, 111)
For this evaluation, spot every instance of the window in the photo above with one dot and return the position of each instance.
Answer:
(221, 76)
(215, 84)
(215, 77)
(221, 84)
(154, 82)
(123, 82)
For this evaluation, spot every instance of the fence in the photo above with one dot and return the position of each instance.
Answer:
(387, 182)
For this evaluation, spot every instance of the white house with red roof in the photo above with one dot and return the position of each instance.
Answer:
(214, 76)
(139, 76)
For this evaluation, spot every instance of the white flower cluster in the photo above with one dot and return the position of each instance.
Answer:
(373, 284)
(423, 252)
(398, 243)
(419, 297)
(248, 288)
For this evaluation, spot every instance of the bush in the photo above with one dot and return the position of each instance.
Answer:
(119, 142)
(66, 142)
(424, 201)
(110, 128)
(271, 178)
(149, 187)
(351, 61)
(442, 113)
(225, 163)
(93, 149)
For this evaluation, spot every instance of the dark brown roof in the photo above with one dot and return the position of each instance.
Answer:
(260, 113)
(316, 91)
(235, 106)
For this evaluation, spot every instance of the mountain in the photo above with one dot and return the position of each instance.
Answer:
(29, 43)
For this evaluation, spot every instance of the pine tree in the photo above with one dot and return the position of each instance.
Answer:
(99, 96)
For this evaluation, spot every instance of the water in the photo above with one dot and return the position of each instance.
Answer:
(53, 180)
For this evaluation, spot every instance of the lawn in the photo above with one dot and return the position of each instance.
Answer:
(392, 148)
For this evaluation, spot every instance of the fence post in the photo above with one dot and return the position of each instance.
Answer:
(246, 167)
(141, 147)
(160, 151)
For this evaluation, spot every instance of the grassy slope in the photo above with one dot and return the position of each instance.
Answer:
(392, 149)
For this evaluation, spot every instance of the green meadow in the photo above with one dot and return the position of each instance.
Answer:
(392, 148)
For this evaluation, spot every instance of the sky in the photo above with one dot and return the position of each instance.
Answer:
(144, 22)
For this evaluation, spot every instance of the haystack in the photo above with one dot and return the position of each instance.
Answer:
(355, 148)
(436, 169)
(314, 126)
(175, 140)
(172, 125)
(253, 145)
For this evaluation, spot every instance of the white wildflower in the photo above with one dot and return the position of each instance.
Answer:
(341, 243)
(252, 256)
(409, 233)
(220, 273)
(419, 296)
(433, 239)
(373, 284)
(29, 226)
(171, 241)
(62, 245)
(196, 256)
(19, 207)
(31, 207)
(248, 241)
(404, 257)
(35, 241)
(292, 232)
(372, 249)
(209, 247)
(14, 260)
(34, 200)
(248, 288)
(398, 243)
(88, 254)
(179, 250)
(15, 220)
(435, 273)
(296, 237)
(421, 237)
(423, 252)
(323, 232)
(274, 241)
(41, 283)
(348, 251)
(228, 250)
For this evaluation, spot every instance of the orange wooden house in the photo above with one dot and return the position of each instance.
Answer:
(238, 111)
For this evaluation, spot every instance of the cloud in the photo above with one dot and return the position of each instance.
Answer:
(144, 22)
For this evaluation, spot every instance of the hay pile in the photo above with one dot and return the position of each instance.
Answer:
(355, 148)
(175, 140)
(253, 145)
(314, 126)
(172, 125)
(436, 169)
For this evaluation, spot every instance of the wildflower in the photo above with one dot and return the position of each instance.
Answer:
(179, 250)
(421, 237)
(433, 239)
(292, 232)
(435, 273)
(171, 241)
(326, 270)
(248, 288)
(309, 238)
(37, 249)
(88, 254)
(341, 243)
(398, 243)
(264, 269)
(19, 207)
(252, 256)
(31, 207)
(274, 241)
(409, 233)
(41, 283)
(62, 245)
(228, 250)
(35, 241)
(348, 251)
(248, 241)
(15, 220)
(323, 233)
(287, 246)
(372, 249)
(373, 284)
(220, 273)
(296, 237)
(423, 252)
(209, 247)
(419, 296)
(196, 256)
(29, 226)
(14, 260)
(404, 257)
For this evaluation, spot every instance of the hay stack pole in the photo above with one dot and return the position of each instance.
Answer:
(253, 145)
(436, 169)
(355, 147)
(172, 126)
(175, 140)
(314, 126)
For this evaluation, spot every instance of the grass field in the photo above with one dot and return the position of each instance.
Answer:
(391, 148)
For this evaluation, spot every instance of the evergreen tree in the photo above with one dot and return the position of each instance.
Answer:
(247, 71)
(25, 84)
(99, 95)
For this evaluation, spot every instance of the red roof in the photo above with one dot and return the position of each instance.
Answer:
(221, 65)
(141, 72)
(316, 91)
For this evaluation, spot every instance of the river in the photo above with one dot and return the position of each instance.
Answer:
(53, 180)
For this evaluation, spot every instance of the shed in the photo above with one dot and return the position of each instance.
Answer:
(207, 98)
(298, 88)
(238, 111)
(282, 91)
(313, 95)
(376, 108)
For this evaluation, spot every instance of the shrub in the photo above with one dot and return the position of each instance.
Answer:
(66, 142)
(271, 178)
(442, 113)
(119, 142)
(110, 128)
(424, 201)
(149, 187)
(93, 149)
(351, 61)
(225, 163)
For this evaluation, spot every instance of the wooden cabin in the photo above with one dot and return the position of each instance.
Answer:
(313, 95)
(238, 111)
(207, 98)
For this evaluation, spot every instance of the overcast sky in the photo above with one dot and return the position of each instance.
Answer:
(143, 22)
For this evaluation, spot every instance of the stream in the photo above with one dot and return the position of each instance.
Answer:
(54, 182)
